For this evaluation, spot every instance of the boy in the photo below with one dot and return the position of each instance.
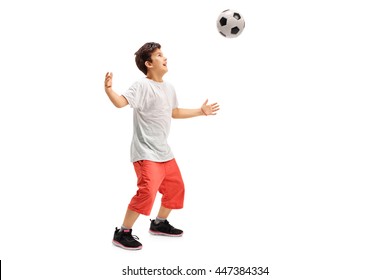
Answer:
(154, 103)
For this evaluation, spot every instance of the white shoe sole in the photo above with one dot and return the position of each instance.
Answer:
(126, 248)
(164, 234)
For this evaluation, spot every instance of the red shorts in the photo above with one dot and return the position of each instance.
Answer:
(164, 177)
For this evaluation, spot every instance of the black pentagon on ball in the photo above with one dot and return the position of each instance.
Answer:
(223, 21)
(222, 34)
(235, 30)
(237, 16)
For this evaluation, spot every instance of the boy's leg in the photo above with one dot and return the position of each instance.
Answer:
(163, 213)
(130, 218)
(150, 176)
(172, 190)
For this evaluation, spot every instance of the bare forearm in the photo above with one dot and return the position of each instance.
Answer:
(180, 113)
(118, 100)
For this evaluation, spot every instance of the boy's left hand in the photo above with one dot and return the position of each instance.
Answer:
(209, 109)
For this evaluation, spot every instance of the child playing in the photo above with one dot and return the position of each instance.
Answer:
(154, 103)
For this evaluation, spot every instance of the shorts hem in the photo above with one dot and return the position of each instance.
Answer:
(145, 213)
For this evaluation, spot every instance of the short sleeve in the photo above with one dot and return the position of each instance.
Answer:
(133, 95)
(174, 101)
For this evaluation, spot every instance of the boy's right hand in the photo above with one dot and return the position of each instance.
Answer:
(108, 80)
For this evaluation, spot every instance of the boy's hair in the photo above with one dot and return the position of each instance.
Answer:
(145, 54)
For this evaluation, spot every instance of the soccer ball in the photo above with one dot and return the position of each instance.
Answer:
(230, 23)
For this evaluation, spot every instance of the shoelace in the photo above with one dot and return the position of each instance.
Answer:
(170, 227)
(131, 235)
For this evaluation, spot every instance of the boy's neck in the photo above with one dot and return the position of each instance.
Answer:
(154, 77)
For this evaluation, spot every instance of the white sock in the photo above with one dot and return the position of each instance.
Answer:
(159, 220)
(123, 228)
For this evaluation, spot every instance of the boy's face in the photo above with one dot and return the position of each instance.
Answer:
(159, 62)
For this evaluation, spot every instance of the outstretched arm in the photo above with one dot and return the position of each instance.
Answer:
(204, 110)
(118, 100)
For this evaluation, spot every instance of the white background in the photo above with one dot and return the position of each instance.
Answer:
(293, 172)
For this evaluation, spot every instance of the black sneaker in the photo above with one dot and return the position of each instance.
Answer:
(125, 240)
(164, 228)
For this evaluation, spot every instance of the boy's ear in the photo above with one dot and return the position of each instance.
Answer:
(148, 64)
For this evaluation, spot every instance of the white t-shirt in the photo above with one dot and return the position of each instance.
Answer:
(152, 104)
